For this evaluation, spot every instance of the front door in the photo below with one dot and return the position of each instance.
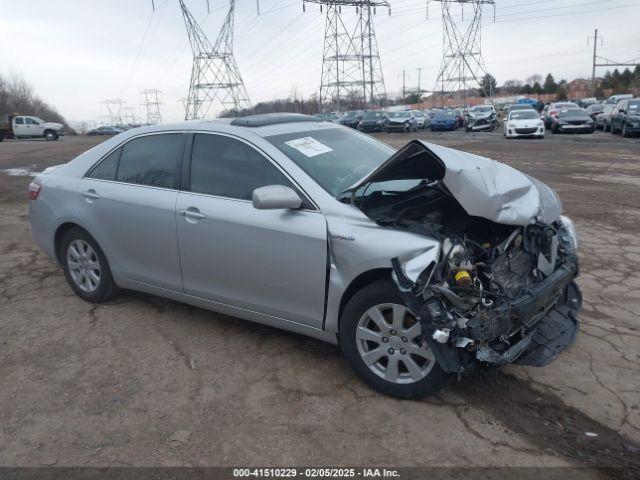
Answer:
(272, 262)
(36, 129)
(127, 202)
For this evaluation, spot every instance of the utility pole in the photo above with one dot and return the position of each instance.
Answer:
(605, 62)
(351, 68)
(404, 84)
(593, 67)
(419, 69)
(214, 73)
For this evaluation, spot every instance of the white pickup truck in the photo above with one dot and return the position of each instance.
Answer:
(23, 126)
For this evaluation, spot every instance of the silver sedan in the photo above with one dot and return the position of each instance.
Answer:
(420, 263)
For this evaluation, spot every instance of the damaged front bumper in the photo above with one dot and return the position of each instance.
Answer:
(531, 329)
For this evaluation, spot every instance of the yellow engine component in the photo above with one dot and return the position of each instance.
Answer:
(463, 279)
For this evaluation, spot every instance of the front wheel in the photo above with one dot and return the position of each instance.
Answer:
(381, 341)
(85, 267)
(625, 132)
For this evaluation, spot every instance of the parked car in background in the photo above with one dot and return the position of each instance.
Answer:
(460, 115)
(444, 120)
(603, 119)
(405, 121)
(481, 118)
(614, 99)
(423, 120)
(351, 118)
(24, 126)
(550, 112)
(373, 121)
(572, 120)
(594, 110)
(105, 131)
(625, 118)
(523, 123)
(294, 223)
(520, 106)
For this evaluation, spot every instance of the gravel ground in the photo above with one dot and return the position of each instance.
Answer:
(147, 381)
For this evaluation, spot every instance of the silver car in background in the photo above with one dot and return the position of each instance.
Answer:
(420, 263)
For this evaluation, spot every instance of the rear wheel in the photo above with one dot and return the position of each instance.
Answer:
(50, 135)
(381, 341)
(85, 267)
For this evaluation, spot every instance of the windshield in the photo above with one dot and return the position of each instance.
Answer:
(523, 115)
(634, 107)
(574, 113)
(481, 109)
(335, 158)
(373, 115)
(565, 105)
(420, 114)
(349, 114)
(445, 114)
(399, 115)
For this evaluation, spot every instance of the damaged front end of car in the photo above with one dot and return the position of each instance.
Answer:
(500, 288)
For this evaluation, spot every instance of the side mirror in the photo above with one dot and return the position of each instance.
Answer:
(275, 197)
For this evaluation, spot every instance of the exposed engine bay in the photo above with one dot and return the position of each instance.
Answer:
(496, 292)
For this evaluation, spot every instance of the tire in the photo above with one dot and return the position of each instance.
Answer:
(623, 131)
(104, 288)
(383, 296)
(50, 135)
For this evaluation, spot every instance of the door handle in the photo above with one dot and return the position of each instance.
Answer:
(90, 194)
(192, 213)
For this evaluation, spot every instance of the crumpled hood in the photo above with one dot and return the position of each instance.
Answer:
(483, 187)
(479, 115)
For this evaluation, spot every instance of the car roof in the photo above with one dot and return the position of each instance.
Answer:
(263, 125)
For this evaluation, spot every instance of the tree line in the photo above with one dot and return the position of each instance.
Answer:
(17, 96)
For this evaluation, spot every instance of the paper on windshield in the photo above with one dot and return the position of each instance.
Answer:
(309, 146)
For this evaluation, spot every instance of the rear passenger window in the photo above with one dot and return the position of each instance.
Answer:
(227, 167)
(106, 169)
(19, 121)
(151, 160)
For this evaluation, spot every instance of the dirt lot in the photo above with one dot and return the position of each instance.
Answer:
(146, 381)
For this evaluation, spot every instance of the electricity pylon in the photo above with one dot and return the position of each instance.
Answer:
(151, 102)
(214, 73)
(351, 68)
(114, 108)
(462, 65)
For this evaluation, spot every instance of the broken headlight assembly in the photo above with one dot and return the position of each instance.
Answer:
(569, 235)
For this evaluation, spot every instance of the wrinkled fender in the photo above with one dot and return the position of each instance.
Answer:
(357, 245)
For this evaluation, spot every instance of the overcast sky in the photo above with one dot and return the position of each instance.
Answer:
(77, 53)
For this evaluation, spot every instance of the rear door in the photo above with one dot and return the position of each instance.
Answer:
(20, 128)
(127, 202)
(272, 262)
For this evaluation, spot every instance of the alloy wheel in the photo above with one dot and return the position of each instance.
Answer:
(389, 342)
(84, 265)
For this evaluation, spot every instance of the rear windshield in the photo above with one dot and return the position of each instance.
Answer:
(399, 115)
(634, 106)
(444, 114)
(373, 115)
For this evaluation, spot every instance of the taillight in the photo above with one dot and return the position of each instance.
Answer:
(553, 113)
(34, 190)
